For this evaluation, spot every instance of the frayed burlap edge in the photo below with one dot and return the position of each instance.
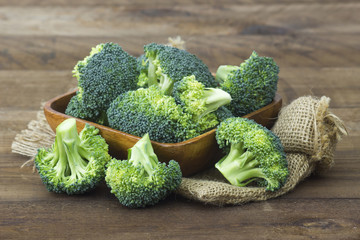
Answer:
(37, 135)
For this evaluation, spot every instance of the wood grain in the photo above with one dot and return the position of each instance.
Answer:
(315, 43)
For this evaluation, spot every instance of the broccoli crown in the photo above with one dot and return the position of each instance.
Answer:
(167, 65)
(107, 72)
(197, 99)
(252, 85)
(142, 180)
(148, 110)
(75, 108)
(254, 153)
(76, 162)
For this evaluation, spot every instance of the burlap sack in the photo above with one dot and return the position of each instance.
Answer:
(309, 133)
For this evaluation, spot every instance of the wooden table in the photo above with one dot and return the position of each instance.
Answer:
(316, 45)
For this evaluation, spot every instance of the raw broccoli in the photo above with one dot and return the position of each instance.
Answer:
(223, 113)
(107, 72)
(142, 180)
(148, 110)
(197, 99)
(75, 108)
(253, 153)
(252, 85)
(167, 65)
(76, 162)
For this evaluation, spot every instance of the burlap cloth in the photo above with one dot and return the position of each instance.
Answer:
(309, 133)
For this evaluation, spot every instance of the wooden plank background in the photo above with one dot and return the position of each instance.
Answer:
(315, 43)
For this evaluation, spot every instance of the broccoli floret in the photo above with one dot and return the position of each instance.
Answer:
(223, 113)
(167, 65)
(254, 153)
(75, 108)
(252, 85)
(197, 99)
(76, 162)
(107, 72)
(148, 110)
(142, 180)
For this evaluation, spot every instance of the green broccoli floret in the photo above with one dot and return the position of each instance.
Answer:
(75, 108)
(107, 72)
(254, 153)
(76, 162)
(197, 99)
(223, 113)
(148, 110)
(142, 180)
(252, 85)
(167, 65)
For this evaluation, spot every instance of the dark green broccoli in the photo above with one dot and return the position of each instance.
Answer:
(76, 162)
(107, 72)
(148, 110)
(223, 113)
(252, 85)
(253, 153)
(167, 65)
(142, 180)
(75, 108)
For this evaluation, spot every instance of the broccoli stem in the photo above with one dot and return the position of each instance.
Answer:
(71, 163)
(152, 73)
(240, 167)
(214, 98)
(223, 72)
(142, 153)
(166, 84)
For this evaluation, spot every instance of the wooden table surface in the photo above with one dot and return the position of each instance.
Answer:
(315, 43)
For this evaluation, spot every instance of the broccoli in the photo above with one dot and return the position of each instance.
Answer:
(107, 72)
(197, 99)
(75, 108)
(167, 65)
(76, 162)
(223, 113)
(252, 85)
(253, 153)
(148, 110)
(142, 180)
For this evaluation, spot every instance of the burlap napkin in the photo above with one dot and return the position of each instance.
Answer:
(309, 133)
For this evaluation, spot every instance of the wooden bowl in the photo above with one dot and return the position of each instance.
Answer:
(193, 155)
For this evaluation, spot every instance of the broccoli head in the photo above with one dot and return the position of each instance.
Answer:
(107, 72)
(142, 180)
(253, 153)
(148, 110)
(76, 162)
(167, 65)
(252, 85)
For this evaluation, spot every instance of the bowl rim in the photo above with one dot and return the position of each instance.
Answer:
(48, 107)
